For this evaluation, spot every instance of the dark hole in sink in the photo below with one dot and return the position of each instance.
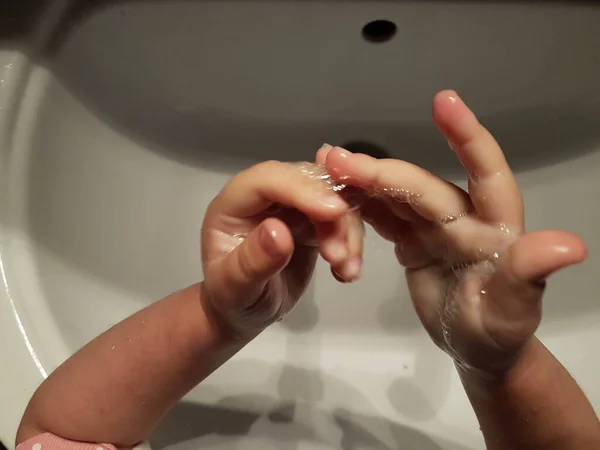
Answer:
(368, 148)
(379, 31)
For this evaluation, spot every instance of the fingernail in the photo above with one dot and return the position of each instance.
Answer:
(268, 241)
(343, 152)
(334, 202)
(352, 269)
(453, 96)
(337, 250)
(326, 146)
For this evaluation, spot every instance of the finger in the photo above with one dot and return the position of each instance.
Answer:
(493, 188)
(254, 190)
(350, 270)
(404, 211)
(536, 256)
(431, 197)
(331, 238)
(322, 154)
(387, 224)
(333, 241)
(354, 197)
(264, 253)
(356, 236)
(409, 249)
(302, 229)
(513, 295)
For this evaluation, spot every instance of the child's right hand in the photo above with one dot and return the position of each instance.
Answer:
(476, 279)
(260, 240)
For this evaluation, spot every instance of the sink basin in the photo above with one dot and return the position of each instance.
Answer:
(119, 121)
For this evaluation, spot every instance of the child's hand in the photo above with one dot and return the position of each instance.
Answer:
(261, 237)
(475, 278)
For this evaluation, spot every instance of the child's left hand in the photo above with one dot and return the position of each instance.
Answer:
(258, 242)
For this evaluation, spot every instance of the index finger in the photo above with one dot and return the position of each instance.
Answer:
(493, 188)
(431, 197)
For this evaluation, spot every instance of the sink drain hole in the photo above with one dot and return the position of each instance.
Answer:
(379, 31)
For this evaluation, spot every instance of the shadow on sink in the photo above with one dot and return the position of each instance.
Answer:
(191, 425)
(289, 420)
(152, 78)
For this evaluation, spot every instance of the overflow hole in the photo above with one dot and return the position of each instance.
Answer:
(379, 31)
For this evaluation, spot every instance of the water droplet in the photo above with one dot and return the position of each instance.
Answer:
(400, 195)
(449, 218)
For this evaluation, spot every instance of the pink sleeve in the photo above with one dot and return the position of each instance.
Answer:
(50, 442)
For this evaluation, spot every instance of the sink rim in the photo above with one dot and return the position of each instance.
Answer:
(26, 371)
(28, 374)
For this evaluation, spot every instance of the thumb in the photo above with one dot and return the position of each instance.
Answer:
(536, 256)
(264, 253)
(515, 291)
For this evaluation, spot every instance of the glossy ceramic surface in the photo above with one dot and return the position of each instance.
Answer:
(119, 121)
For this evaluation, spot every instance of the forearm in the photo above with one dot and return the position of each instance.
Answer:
(536, 405)
(118, 387)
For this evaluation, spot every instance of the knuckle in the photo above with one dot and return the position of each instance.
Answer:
(257, 173)
(267, 167)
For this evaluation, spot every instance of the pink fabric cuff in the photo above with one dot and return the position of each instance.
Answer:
(49, 441)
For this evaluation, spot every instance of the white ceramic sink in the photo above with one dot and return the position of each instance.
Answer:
(119, 121)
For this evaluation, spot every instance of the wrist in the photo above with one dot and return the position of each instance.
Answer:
(524, 368)
(221, 326)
